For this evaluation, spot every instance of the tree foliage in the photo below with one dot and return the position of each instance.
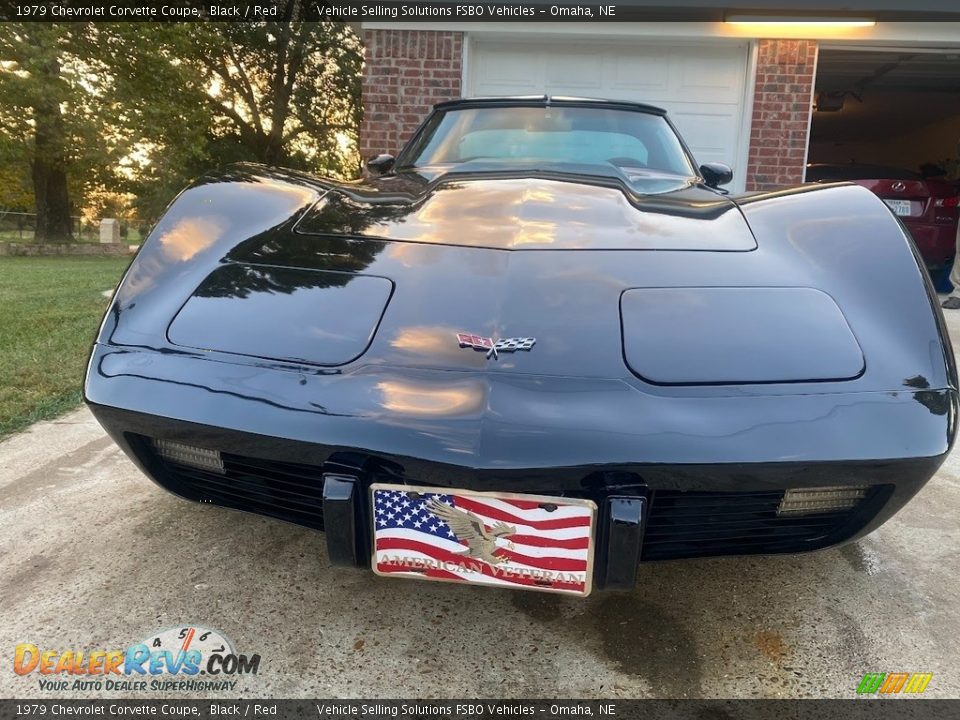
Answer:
(144, 108)
(45, 119)
(205, 94)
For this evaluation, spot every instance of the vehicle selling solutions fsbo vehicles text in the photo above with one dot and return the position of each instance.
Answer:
(463, 10)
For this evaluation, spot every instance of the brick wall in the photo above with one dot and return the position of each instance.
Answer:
(405, 73)
(782, 102)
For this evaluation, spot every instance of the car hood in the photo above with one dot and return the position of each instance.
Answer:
(317, 276)
(547, 209)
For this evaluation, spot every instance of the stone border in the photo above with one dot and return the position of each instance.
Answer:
(94, 249)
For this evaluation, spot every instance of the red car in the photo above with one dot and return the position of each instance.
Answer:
(927, 207)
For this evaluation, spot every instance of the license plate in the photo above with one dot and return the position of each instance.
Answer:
(523, 542)
(899, 207)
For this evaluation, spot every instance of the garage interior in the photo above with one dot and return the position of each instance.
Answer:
(892, 107)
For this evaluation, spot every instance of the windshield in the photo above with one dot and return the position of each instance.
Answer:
(523, 137)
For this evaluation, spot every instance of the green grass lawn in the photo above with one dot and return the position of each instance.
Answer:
(50, 310)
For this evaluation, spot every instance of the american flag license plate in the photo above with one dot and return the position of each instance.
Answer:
(524, 542)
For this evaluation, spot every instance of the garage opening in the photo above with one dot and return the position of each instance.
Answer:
(890, 120)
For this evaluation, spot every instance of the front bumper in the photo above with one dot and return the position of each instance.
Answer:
(494, 426)
(648, 511)
(701, 478)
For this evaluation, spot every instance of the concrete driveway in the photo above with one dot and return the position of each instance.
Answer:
(97, 557)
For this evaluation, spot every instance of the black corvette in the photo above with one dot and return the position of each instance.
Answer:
(537, 348)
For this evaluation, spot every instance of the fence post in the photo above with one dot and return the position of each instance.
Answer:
(109, 230)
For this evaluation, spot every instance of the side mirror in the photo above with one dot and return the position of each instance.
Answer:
(380, 164)
(716, 174)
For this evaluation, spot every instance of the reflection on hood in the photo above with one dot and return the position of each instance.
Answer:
(472, 205)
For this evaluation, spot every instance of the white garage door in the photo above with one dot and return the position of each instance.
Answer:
(701, 86)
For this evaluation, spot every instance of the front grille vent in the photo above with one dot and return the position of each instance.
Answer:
(288, 491)
(678, 525)
(698, 524)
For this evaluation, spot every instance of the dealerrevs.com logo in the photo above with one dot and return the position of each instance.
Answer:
(188, 659)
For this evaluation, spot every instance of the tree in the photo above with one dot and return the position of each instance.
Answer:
(32, 95)
(116, 109)
(205, 94)
(52, 124)
(16, 193)
(284, 90)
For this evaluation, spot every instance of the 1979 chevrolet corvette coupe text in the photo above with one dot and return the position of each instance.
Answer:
(536, 349)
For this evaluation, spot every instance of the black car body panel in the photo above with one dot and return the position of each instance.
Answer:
(535, 210)
(304, 327)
